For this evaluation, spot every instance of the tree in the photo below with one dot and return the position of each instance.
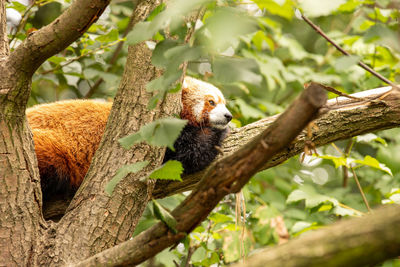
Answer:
(98, 224)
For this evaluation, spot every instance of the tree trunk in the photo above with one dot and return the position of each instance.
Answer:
(21, 222)
(113, 218)
(20, 197)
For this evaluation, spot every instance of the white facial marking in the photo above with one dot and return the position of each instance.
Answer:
(197, 97)
(217, 116)
(198, 109)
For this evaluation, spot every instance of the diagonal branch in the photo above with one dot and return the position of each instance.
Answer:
(228, 175)
(344, 119)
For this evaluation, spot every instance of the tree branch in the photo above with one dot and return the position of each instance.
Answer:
(344, 52)
(226, 176)
(344, 119)
(365, 241)
(55, 37)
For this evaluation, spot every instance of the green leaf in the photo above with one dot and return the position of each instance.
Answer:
(162, 132)
(154, 100)
(311, 197)
(174, 11)
(170, 55)
(158, 58)
(164, 82)
(17, 6)
(314, 8)
(164, 216)
(56, 59)
(338, 161)
(199, 255)
(300, 226)
(240, 69)
(247, 110)
(345, 62)
(283, 9)
(156, 11)
(139, 33)
(122, 172)
(181, 53)
(383, 35)
(343, 211)
(374, 163)
(171, 170)
(111, 36)
(367, 138)
(222, 29)
(220, 218)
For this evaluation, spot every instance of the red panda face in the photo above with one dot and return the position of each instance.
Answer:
(204, 104)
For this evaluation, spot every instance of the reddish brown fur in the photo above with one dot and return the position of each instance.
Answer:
(187, 112)
(66, 135)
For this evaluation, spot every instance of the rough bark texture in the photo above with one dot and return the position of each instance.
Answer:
(20, 197)
(4, 48)
(228, 176)
(360, 242)
(344, 118)
(94, 220)
(21, 221)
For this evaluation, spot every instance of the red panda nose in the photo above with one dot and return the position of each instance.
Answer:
(228, 116)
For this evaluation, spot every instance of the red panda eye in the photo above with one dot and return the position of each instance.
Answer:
(212, 103)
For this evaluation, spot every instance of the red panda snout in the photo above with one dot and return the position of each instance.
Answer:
(204, 104)
(219, 116)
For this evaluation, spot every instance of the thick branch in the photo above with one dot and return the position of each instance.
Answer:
(228, 175)
(345, 118)
(55, 37)
(365, 241)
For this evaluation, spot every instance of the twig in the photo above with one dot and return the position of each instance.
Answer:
(361, 190)
(114, 56)
(348, 148)
(337, 92)
(360, 63)
(81, 56)
(24, 19)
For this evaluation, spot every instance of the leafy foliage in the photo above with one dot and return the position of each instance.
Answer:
(122, 172)
(171, 170)
(260, 55)
(161, 132)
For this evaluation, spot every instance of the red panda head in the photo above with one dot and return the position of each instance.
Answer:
(204, 104)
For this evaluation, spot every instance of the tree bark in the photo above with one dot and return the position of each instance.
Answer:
(21, 221)
(344, 118)
(365, 241)
(225, 177)
(95, 221)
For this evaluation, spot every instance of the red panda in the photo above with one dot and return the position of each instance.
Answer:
(66, 135)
